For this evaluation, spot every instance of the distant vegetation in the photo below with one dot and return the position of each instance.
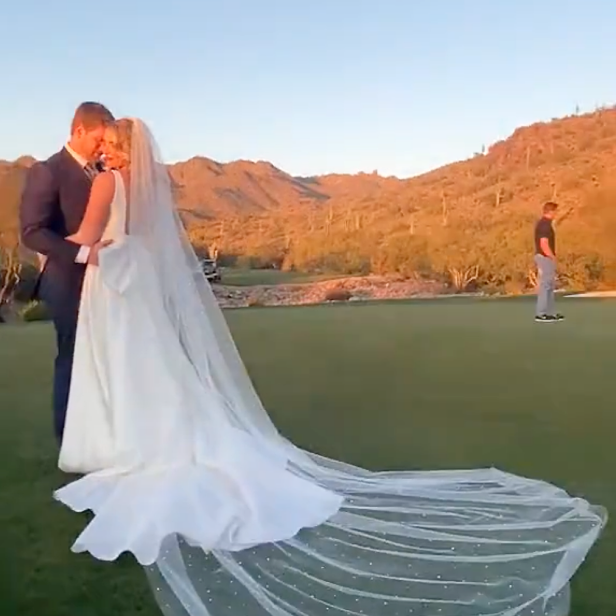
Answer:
(253, 277)
(468, 224)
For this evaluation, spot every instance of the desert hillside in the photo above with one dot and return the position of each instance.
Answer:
(469, 222)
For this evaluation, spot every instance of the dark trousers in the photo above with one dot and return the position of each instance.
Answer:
(61, 294)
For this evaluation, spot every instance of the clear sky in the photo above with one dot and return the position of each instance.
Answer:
(314, 86)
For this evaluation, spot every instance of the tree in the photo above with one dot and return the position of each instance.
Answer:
(458, 254)
(402, 254)
(10, 271)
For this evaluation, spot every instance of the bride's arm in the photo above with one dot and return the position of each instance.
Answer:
(97, 211)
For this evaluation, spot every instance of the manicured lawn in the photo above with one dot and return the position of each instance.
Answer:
(426, 384)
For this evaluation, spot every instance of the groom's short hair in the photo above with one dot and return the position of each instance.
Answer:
(91, 115)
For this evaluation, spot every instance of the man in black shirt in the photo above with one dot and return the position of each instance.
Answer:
(545, 258)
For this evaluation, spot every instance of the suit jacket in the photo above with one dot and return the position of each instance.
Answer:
(53, 204)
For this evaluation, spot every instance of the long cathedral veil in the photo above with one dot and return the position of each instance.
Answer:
(459, 543)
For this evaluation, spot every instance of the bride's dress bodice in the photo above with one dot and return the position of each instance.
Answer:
(115, 229)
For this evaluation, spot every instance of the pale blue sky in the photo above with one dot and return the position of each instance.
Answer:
(400, 86)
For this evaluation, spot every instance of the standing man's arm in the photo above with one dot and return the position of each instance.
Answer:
(35, 215)
(545, 247)
(544, 232)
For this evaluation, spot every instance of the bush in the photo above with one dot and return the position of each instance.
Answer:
(338, 295)
(24, 289)
(515, 287)
(255, 300)
(34, 311)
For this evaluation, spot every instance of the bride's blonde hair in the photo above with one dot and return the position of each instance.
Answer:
(123, 130)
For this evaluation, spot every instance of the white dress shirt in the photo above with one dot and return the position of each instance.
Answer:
(84, 251)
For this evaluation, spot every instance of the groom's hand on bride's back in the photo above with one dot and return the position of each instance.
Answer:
(93, 254)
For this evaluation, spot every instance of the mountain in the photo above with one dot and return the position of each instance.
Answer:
(469, 221)
(210, 189)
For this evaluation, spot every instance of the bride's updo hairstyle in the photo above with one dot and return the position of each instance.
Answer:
(123, 131)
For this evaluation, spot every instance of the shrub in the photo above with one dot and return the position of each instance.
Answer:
(338, 295)
(34, 311)
(255, 300)
(24, 288)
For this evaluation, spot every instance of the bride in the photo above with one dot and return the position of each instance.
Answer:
(184, 469)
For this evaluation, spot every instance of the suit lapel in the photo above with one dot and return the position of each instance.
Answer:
(82, 184)
(79, 185)
(75, 168)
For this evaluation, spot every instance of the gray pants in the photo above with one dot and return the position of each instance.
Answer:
(547, 284)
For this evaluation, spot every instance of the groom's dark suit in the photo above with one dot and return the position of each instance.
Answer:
(53, 205)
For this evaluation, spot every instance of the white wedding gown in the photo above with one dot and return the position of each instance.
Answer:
(184, 469)
(159, 454)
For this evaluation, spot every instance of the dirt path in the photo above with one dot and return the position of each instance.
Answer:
(344, 289)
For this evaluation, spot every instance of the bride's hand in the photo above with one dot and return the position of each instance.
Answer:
(93, 256)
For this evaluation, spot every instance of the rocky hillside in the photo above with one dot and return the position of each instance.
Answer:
(469, 221)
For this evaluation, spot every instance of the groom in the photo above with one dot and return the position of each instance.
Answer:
(52, 207)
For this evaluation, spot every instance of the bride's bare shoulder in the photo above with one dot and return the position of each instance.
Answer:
(104, 183)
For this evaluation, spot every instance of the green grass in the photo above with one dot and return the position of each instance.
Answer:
(250, 277)
(425, 384)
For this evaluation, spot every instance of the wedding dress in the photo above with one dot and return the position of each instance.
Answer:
(184, 469)
(135, 424)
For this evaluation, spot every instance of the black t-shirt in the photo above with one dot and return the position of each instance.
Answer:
(545, 229)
